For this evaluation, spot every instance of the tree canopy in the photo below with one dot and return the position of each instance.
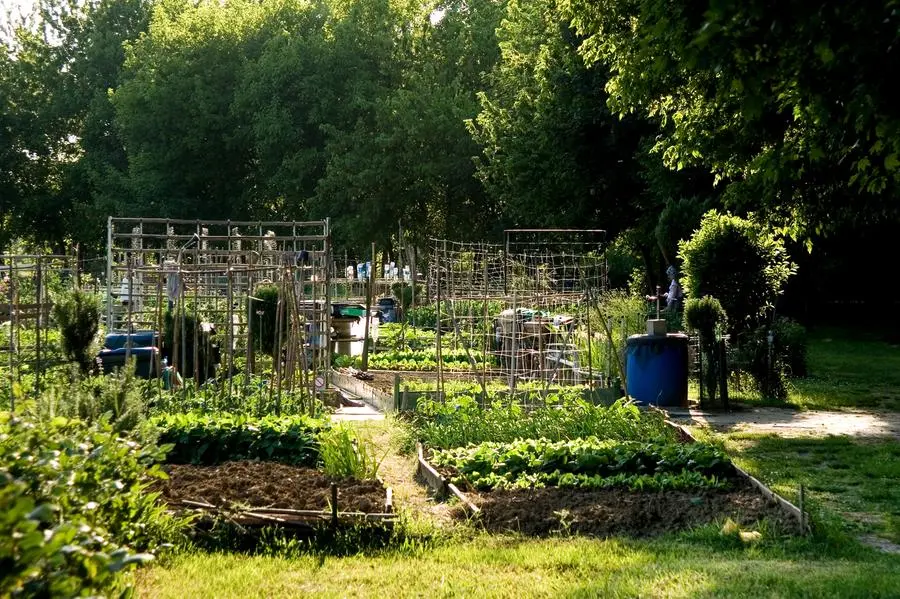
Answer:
(450, 118)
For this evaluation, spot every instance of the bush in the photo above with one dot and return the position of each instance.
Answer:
(737, 261)
(77, 316)
(207, 352)
(706, 316)
(42, 557)
(120, 399)
(788, 356)
(92, 476)
(199, 439)
(265, 324)
(791, 345)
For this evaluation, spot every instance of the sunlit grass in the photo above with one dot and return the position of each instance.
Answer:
(687, 566)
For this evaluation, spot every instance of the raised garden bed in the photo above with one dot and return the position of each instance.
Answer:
(582, 505)
(258, 492)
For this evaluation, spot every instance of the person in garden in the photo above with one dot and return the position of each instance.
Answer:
(675, 295)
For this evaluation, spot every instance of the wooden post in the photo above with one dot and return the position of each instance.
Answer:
(723, 373)
(38, 366)
(196, 352)
(229, 294)
(159, 327)
(437, 329)
(370, 284)
(334, 504)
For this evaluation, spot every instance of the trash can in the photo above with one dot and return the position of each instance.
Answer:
(388, 308)
(656, 369)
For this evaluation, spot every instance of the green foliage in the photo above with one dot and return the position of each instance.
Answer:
(791, 344)
(265, 330)
(459, 422)
(706, 316)
(120, 399)
(739, 262)
(250, 395)
(344, 455)
(789, 114)
(553, 153)
(426, 360)
(42, 557)
(182, 326)
(77, 315)
(202, 439)
(92, 476)
(404, 293)
(586, 463)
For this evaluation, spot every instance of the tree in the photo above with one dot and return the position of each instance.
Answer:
(57, 69)
(739, 262)
(554, 154)
(785, 104)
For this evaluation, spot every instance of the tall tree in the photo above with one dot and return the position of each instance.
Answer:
(787, 104)
(554, 154)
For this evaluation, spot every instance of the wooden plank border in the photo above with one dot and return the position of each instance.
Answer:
(441, 485)
(377, 398)
(786, 506)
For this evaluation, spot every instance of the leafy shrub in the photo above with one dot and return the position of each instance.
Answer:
(706, 316)
(461, 421)
(404, 293)
(42, 557)
(91, 475)
(585, 462)
(738, 261)
(207, 353)
(265, 332)
(250, 395)
(77, 316)
(344, 455)
(120, 398)
(791, 345)
(201, 439)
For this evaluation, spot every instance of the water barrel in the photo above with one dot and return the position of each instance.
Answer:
(656, 369)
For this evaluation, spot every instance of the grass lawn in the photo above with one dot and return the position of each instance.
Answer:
(849, 369)
(858, 479)
(701, 564)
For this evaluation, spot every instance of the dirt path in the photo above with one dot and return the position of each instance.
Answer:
(398, 470)
(792, 423)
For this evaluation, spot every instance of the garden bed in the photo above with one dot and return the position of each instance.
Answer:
(268, 485)
(606, 512)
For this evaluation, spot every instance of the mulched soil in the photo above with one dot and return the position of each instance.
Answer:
(267, 484)
(607, 512)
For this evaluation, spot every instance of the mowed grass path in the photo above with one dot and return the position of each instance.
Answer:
(705, 566)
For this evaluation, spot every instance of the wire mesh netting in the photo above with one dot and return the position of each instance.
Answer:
(525, 310)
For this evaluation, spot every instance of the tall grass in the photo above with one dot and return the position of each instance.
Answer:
(344, 455)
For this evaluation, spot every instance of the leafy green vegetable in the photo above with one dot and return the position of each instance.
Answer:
(202, 439)
(589, 463)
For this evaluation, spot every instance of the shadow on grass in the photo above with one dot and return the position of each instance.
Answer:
(859, 479)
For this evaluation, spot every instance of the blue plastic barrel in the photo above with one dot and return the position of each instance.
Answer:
(656, 369)
(138, 339)
(145, 360)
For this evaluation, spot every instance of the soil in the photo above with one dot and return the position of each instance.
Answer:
(607, 512)
(267, 484)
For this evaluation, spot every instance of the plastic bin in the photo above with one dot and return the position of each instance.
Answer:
(656, 369)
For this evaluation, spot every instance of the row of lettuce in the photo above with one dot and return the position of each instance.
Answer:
(567, 443)
(79, 501)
